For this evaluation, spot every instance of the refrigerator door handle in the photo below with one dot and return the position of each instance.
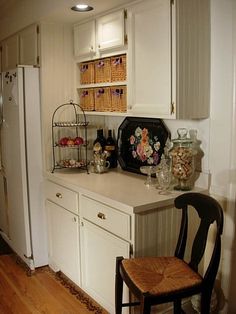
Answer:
(1, 100)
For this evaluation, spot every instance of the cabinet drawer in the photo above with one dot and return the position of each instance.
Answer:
(62, 196)
(107, 217)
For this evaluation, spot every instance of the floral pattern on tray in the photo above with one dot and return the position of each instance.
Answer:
(141, 142)
(144, 146)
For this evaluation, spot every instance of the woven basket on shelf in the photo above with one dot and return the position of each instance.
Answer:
(102, 70)
(118, 98)
(102, 97)
(86, 72)
(118, 68)
(86, 96)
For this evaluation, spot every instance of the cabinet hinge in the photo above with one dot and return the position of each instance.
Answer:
(172, 108)
(37, 59)
(37, 29)
(126, 39)
(172, 2)
(125, 14)
(29, 257)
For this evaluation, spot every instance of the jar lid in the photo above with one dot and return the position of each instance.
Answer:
(182, 136)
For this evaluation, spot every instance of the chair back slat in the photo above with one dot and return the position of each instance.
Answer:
(199, 245)
(181, 244)
(209, 211)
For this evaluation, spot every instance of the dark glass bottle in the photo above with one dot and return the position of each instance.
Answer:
(100, 142)
(111, 149)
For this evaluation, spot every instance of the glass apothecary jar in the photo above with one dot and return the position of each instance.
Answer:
(182, 160)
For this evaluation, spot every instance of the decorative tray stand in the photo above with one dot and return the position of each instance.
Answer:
(69, 137)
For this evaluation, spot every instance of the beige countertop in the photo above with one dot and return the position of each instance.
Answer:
(117, 188)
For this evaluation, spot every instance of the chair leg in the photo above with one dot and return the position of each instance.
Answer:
(177, 307)
(145, 307)
(118, 287)
(206, 301)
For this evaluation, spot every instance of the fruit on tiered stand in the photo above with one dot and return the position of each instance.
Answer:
(68, 141)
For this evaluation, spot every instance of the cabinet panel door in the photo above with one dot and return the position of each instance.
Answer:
(84, 39)
(28, 39)
(10, 53)
(110, 30)
(150, 57)
(63, 237)
(99, 250)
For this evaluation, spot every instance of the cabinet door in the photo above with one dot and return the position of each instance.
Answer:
(110, 30)
(63, 237)
(28, 42)
(99, 250)
(84, 39)
(10, 53)
(150, 58)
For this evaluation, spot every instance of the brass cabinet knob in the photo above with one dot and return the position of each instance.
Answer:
(59, 195)
(101, 216)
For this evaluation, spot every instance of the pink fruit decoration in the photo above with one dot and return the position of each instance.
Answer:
(78, 140)
(63, 141)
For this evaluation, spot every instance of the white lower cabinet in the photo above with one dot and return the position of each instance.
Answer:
(85, 236)
(100, 246)
(63, 236)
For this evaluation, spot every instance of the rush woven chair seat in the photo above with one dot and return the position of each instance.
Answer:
(156, 280)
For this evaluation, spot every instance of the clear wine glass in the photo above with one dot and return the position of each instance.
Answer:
(149, 171)
(164, 179)
(164, 175)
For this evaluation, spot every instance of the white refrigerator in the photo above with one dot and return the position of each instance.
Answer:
(22, 213)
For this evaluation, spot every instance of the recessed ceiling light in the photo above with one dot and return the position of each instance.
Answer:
(82, 8)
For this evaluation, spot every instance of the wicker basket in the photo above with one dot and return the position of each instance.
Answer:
(102, 97)
(86, 97)
(118, 98)
(102, 70)
(118, 68)
(86, 73)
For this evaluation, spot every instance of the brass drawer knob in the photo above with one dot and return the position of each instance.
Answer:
(101, 216)
(59, 195)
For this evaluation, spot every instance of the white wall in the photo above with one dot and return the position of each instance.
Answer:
(229, 253)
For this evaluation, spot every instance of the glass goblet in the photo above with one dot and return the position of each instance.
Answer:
(164, 179)
(149, 171)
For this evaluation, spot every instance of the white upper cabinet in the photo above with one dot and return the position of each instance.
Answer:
(94, 37)
(28, 44)
(169, 58)
(110, 31)
(21, 48)
(10, 53)
(84, 39)
(149, 53)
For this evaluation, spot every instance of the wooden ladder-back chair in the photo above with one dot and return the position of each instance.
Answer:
(156, 280)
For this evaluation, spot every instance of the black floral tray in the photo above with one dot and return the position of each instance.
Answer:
(141, 142)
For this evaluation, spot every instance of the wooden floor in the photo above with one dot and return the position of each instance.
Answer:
(43, 292)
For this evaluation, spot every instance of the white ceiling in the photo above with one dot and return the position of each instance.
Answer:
(57, 10)
(17, 14)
